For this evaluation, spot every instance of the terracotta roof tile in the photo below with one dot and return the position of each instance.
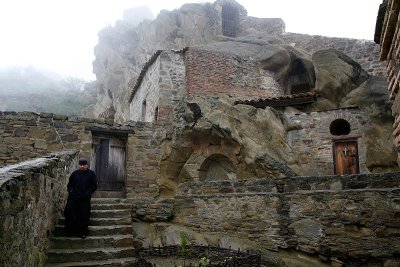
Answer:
(280, 101)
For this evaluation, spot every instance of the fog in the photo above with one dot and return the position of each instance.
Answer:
(60, 35)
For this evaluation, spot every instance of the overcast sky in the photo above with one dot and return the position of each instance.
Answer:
(60, 35)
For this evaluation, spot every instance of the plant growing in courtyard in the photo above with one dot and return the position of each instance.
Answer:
(204, 261)
(183, 249)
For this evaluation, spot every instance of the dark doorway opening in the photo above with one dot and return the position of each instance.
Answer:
(230, 20)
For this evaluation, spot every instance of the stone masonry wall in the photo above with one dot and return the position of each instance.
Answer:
(143, 165)
(347, 217)
(364, 52)
(32, 198)
(313, 142)
(211, 73)
(162, 87)
(28, 135)
(148, 92)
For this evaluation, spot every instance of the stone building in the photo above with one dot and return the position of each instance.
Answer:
(233, 131)
(387, 35)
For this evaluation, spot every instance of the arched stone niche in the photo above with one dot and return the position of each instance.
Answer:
(340, 127)
(345, 122)
(217, 167)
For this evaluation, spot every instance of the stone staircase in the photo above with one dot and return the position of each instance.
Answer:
(109, 242)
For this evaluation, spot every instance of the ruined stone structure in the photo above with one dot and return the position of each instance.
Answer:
(231, 130)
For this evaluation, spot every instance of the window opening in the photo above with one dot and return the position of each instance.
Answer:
(230, 20)
(340, 127)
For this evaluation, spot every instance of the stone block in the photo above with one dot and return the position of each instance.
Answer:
(70, 138)
(40, 144)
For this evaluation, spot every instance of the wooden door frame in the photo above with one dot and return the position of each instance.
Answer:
(112, 135)
(346, 140)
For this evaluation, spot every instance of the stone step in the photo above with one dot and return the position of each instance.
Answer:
(121, 262)
(86, 255)
(109, 194)
(98, 200)
(110, 206)
(102, 230)
(111, 241)
(124, 213)
(104, 221)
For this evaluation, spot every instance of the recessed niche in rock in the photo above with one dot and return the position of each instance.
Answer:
(217, 167)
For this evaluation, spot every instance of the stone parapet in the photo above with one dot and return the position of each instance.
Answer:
(347, 218)
(32, 198)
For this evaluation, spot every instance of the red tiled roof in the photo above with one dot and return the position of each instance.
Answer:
(281, 101)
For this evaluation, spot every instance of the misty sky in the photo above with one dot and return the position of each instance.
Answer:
(59, 35)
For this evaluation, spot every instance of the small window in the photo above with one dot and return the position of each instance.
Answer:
(340, 127)
(144, 111)
(156, 114)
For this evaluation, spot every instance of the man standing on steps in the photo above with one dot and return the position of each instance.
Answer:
(81, 185)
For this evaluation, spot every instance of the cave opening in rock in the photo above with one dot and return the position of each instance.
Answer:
(298, 79)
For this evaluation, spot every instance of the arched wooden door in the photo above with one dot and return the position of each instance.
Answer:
(345, 154)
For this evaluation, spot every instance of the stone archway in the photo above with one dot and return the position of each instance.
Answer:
(217, 167)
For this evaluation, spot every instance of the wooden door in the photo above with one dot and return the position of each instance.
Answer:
(346, 157)
(109, 162)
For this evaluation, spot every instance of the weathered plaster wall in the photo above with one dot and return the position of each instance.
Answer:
(162, 87)
(365, 52)
(211, 73)
(32, 198)
(313, 140)
(346, 219)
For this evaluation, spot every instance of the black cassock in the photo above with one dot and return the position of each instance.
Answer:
(81, 186)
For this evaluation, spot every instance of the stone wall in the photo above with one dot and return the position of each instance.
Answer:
(313, 141)
(365, 52)
(212, 73)
(162, 87)
(143, 165)
(32, 198)
(146, 99)
(349, 219)
(28, 135)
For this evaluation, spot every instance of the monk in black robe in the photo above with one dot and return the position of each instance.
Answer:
(81, 185)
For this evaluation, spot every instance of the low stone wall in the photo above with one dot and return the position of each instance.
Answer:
(32, 198)
(348, 219)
